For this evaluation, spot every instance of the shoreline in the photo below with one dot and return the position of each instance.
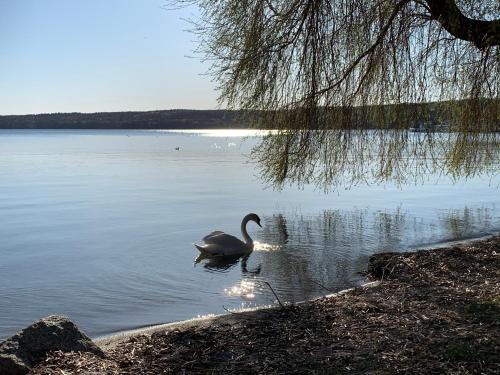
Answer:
(114, 338)
(429, 311)
(448, 243)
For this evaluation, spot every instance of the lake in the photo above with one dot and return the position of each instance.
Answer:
(100, 226)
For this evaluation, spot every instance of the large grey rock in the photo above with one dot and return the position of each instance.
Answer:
(29, 346)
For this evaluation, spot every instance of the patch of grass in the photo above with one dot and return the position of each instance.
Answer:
(487, 312)
(470, 350)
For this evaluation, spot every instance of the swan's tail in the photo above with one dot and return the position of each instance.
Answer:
(200, 248)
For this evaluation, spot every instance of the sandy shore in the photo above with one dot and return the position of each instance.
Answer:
(432, 311)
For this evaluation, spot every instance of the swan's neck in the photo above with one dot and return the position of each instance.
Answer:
(244, 233)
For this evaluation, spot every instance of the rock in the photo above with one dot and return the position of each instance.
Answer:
(29, 346)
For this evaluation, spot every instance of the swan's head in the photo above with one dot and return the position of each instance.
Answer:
(254, 217)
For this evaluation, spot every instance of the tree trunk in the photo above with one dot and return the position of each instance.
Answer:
(483, 34)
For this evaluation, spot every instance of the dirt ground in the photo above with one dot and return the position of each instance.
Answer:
(435, 311)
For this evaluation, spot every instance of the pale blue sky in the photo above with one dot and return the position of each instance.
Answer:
(98, 55)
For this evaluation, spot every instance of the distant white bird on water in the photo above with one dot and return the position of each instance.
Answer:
(220, 243)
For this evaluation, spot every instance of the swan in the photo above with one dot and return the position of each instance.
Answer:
(220, 243)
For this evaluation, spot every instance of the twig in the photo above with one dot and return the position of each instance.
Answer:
(272, 290)
(386, 267)
(324, 287)
(229, 311)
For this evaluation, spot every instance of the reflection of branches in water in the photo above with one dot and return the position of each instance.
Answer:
(275, 229)
(330, 248)
(391, 227)
(340, 229)
(331, 159)
(305, 262)
(312, 254)
(463, 223)
(281, 226)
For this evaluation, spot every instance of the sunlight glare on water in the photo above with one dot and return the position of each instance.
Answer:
(245, 289)
(222, 133)
(261, 246)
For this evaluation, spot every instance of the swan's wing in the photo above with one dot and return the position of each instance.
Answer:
(223, 240)
(214, 233)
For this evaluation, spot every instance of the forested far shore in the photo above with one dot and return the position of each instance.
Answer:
(165, 119)
(428, 116)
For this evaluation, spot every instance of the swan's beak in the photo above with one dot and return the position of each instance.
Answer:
(259, 225)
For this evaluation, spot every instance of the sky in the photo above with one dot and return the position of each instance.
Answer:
(99, 56)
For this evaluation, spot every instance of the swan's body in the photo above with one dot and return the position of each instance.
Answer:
(220, 243)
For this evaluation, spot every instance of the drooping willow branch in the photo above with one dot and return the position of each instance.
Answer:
(342, 81)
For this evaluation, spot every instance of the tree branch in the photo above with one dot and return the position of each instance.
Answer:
(483, 34)
(370, 50)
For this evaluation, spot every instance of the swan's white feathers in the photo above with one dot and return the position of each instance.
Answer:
(223, 240)
(214, 233)
(219, 243)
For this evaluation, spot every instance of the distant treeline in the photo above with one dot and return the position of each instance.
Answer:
(168, 119)
(367, 117)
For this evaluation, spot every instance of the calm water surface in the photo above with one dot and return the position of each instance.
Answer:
(99, 226)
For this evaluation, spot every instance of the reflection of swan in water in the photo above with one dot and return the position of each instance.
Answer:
(225, 263)
(219, 243)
